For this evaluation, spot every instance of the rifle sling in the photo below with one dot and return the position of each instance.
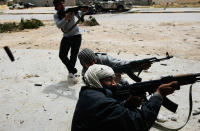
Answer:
(161, 127)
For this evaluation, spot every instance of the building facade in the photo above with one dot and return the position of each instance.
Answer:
(164, 1)
(47, 2)
(146, 2)
(176, 1)
(135, 2)
(142, 2)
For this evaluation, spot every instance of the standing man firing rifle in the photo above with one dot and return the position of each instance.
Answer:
(65, 20)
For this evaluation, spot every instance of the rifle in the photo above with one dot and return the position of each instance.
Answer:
(75, 11)
(136, 64)
(151, 86)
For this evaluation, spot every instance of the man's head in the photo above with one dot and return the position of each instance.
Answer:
(59, 4)
(100, 76)
(87, 57)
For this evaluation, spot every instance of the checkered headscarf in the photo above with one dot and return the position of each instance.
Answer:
(97, 72)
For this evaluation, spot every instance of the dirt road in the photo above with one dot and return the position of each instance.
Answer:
(127, 35)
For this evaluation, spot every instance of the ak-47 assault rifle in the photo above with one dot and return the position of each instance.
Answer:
(127, 68)
(151, 86)
(75, 10)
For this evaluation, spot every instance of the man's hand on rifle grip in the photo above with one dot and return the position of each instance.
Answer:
(68, 16)
(166, 89)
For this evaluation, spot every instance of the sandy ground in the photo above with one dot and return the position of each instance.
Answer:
(178, 38)
(49, 107)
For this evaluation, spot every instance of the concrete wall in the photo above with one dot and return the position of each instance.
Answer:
(163, 1)
(175, 1)
(47, 2)
(135, 2)
(2, 2)
(148, 2)
(141, 2)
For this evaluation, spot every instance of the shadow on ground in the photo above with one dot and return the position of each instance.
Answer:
(61, 89)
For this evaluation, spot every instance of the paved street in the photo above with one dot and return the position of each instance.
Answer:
(149, 17)
(138, 14)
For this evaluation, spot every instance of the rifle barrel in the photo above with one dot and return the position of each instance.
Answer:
(151, 86)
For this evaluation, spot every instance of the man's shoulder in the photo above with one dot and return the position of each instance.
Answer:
(55, 15)
(94, 92)
(97, 95)
(101, 56)
(100, 53)
(87, 89)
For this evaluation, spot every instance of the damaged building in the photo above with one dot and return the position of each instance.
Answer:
(135, 2)
(46, 2)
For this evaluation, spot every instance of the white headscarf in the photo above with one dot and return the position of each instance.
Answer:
(97, 72)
